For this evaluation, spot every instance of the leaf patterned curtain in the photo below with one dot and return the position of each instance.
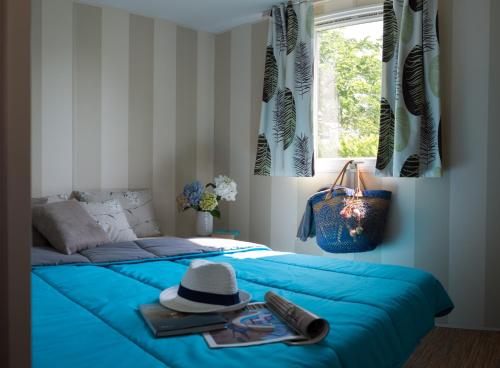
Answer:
(285, 142)
(410, 116)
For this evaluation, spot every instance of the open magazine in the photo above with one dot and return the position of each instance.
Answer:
(262, 323)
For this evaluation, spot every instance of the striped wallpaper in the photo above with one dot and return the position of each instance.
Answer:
(120, 101)
(439, 225)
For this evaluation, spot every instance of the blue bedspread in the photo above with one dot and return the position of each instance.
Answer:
(87, 315)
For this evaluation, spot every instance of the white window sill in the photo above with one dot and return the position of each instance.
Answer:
(334, 165)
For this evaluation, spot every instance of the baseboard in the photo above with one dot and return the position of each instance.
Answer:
(481, 328)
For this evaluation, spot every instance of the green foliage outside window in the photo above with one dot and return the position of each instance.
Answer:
(358, 70)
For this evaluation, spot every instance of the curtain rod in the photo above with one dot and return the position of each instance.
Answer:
(314, 3)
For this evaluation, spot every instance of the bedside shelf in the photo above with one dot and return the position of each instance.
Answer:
(226, 234)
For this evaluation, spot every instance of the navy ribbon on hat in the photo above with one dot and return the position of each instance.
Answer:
(208, 298)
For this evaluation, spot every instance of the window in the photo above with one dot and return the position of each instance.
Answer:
(348, 85)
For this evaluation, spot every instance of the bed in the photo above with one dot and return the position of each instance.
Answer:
(85, 306)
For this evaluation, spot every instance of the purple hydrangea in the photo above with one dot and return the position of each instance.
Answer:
(193, 192)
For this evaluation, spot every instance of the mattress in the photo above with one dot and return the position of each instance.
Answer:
(85, 306)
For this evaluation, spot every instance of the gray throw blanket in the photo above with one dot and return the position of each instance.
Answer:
(141, 249)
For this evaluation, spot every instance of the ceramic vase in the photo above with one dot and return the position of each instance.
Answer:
(204, 223)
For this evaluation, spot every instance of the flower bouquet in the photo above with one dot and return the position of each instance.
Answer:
(205, 200)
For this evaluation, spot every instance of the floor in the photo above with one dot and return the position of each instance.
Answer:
(457, 348)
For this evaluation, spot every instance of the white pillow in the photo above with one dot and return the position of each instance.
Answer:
(110, 217)
(137, 204)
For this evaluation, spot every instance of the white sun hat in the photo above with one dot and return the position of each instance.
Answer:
(206, 287)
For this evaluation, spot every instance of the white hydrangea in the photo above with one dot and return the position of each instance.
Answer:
(225, 188)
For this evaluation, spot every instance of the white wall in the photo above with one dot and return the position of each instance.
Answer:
(120, 101)
(445, 226)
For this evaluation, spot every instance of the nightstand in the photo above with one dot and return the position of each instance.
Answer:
(225, 234)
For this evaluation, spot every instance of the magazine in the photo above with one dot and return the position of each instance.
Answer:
(273, 321)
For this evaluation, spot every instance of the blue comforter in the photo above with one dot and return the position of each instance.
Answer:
(86, 315)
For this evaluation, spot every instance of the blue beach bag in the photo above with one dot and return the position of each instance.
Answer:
(350, 220)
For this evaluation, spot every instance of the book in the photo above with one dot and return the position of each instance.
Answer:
(165, 322)
(275, 320)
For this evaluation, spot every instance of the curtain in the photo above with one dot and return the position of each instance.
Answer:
(410, 116)
(285, 141)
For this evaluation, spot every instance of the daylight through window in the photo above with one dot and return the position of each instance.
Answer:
(349, 73)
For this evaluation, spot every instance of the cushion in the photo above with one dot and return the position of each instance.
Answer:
(37, 239)
(52, 198)
(68, 227)
(137, 204)
(110, 217)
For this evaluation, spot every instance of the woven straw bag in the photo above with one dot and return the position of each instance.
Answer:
(339, 228)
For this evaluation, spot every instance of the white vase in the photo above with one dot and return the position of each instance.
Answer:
(204, 223)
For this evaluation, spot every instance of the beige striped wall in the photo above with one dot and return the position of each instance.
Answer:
(446, 226)
(120, 101)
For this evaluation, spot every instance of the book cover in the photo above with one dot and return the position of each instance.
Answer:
(278, 319)
(167, 322)
(253, 325)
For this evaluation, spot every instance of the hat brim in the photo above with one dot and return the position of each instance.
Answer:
(170, 299)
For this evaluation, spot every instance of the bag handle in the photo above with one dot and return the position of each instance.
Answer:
(341, 176)
(360, 181)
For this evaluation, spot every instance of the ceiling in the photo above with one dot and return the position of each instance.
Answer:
(206, 15)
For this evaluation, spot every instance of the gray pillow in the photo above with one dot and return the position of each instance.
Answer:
(68, 227)
(137, 205)
(110, 217)
(52, 198)
(37, 239)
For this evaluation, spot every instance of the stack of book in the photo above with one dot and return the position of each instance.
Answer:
(165, 322)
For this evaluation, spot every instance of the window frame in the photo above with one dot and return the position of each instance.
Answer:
(334, 20)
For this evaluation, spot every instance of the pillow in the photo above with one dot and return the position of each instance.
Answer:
(37, 239)
(110, 217)
(68, 227)
(51, 198)
(137, 205)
